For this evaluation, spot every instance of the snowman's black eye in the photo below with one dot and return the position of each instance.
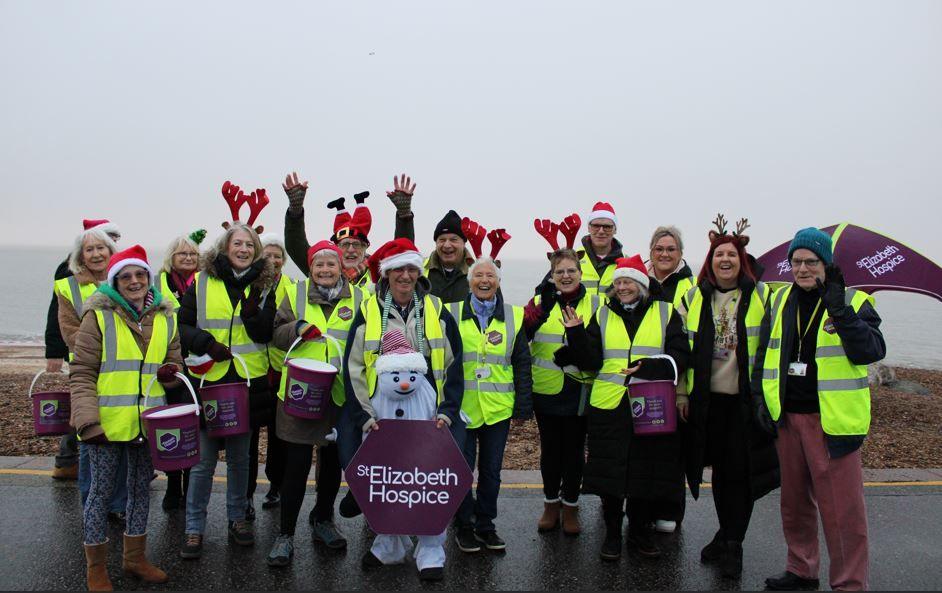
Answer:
(412, 378)
(396, 378)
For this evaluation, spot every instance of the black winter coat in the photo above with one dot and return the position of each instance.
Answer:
(764, 474)
(621, 463)
(55, 345)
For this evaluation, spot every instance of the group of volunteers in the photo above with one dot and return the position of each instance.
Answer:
(771, 381)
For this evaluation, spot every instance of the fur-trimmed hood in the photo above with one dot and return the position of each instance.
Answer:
(100, 301)
(265, 279)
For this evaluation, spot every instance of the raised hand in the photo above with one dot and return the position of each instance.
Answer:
(832, 290)
(571, 318)
(498, 238)
(292, 181)
(570, 229)
(549, 230)
(474, 233)
(295, 190)
(401, 195)
(309, 332)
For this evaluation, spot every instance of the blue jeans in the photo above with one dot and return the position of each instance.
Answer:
(119, 496)
(201, 479)
(490, 439)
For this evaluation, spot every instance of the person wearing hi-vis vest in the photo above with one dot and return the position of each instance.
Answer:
(810, 386)
(318, 312)
(631, 336)
(560, 390)
(723, 313)
(600, 249)
(128, 336)
(228, 310)
(497, 387)
(402, 301)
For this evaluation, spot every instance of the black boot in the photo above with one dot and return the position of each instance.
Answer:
(715, 550)
(641, 542)
(731, 564)
(611, 547)
(790, 581)
(173, 497)
(349, 507)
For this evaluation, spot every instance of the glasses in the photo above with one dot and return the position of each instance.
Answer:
(665, 250)
(605, 228)
(352, 245)
(810, 263)
(128, 276)
(186, 254)
(565, 272)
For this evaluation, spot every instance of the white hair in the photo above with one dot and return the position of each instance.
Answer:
(182, 240)
(643, 292)
(484, 259)
(76, 259)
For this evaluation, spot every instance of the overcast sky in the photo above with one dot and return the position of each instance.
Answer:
(791, 113)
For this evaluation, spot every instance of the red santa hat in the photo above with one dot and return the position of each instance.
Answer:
(321, 247)
(397, 355)
(357, 225)
(132, 256)
(602, 210)
(394, 254)
(633, 269)
(103, 224)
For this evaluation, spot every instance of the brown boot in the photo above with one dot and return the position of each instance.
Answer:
(550, 518)
(571, 525)
(135, 562)
(96, 567)
(70, 472)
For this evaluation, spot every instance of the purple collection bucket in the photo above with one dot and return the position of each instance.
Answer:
(51, 410)
(654, 404)
(173, 432)
(226, 406)
(307, 386)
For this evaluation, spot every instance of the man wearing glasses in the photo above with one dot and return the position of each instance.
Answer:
(600, 249)
(810, 387)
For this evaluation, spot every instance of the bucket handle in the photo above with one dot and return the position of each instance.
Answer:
(673, 364)
(186, 382)
(245, 367)
(36, 378)
(298, 340)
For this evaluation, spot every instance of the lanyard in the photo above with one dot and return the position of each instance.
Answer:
(807, 327)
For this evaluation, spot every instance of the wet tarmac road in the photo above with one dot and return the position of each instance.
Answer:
(41, 547)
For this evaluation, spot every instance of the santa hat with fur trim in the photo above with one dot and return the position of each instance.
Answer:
(103, 224)
(322, 246)
(272, 239)
(398, 356)
(603, 210)
(631, 268)
(394, 254)
(132, 256)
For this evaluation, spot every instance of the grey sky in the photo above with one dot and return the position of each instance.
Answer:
(792, 114)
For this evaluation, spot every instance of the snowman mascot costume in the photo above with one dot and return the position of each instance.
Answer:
(404, 393)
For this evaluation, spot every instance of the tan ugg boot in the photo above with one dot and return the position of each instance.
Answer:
(550, 518)
(135, 562)
(96, 567)
(571, 525)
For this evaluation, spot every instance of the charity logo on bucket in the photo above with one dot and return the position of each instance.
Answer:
(209, 409)
(637, 406)
(297, 390)
(48, 407)
(167, 440)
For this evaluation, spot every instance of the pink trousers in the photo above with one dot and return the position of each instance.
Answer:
(813, 483)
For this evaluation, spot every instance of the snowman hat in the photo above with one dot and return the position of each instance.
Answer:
(398, 356)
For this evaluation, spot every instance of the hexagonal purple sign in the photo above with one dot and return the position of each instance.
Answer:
(409, 477)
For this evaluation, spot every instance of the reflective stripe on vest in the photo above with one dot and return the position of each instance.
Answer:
(124, 373)
(372, 335)
(285, 287)
(758, 304)
(547, 377)
(609, 386)
(490, 398)
(166, 292)
(843, 389)
(75, 293)
(323, 349)
(216, 315)
(590, 277)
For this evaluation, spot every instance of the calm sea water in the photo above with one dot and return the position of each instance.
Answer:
(910, 322)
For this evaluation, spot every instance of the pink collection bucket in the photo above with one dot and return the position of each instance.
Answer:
(226, 406)
(654, 404)
(51, 410)
(173, 432)
(307, 386)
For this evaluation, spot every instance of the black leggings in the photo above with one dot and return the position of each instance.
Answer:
(727, 451)
(562, 455)
(297, 466)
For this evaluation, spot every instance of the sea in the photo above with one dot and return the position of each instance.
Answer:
(910, 322)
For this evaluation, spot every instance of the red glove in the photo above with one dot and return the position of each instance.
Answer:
(219, 353)
(498, 238)
(474, 233)
(570, 228)
(165, 374)
(309, 332)
(549, 230)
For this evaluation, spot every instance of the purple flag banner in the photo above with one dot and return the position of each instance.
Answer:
(869, 260)
(409, 477)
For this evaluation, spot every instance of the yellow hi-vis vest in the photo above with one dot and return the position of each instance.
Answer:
(365, 283)
(337, 327)
(550, 337)
(488, 399)
(166, 292)
(595, 285)
(843, 389)
(215, 314)
(124, 373)
(618, 350)
(758, 304)
(683, 287)
(285, 286)
(372, 310)
(75, 293)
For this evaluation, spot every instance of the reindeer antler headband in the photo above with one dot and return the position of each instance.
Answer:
(257, 200)
(475, 233)
(549, 230)
(720, 223)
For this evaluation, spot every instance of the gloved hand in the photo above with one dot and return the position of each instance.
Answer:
(549, 230)
(764, 418)
(832, 290)
(401, 195)
(219, 353)
(570, 229)
(296, 190)
(309, 332)
(98, 439)
(250, 303)
(165, 374)
(547, 296)
(563, 357)
(474, 233)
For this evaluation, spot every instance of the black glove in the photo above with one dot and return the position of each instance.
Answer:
(250, 304)
(547, 296)
(563, 357)
(219, 353)
(832, 290)
(764, 418)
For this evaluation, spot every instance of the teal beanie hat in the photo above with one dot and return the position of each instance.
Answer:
(814, 240)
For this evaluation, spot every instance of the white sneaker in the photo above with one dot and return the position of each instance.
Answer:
(662, 526)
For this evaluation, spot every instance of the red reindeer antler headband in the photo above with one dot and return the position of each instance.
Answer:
(257, 200)
(475, 234)
(550, 230)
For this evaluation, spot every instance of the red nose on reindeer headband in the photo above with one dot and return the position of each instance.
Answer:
(475, 234)
(257, 200)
